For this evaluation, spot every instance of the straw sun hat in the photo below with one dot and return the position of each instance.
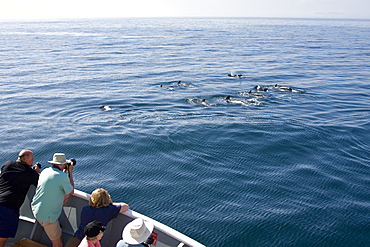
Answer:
(137, 231)
(59, 158)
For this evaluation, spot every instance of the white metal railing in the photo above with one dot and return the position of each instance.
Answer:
(185, 240)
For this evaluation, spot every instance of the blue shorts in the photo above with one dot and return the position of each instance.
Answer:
(8, 222)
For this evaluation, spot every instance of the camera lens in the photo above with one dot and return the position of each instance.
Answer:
(73, 162)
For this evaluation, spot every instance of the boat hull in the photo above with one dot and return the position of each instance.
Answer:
(70, 220)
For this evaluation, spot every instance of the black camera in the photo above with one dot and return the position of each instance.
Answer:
(148, 241)
(73, 162)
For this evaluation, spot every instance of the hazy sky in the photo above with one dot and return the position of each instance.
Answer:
(46, 9)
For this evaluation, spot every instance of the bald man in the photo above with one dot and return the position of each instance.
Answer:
(16, 177)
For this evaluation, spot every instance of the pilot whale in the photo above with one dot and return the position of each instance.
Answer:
(235, 101)
(259, 88)
(168, 87)
(232, 75)
(287, 89)
(282, 88)
(203, 102)
(181, 84)
(255, 94)
(105, 108)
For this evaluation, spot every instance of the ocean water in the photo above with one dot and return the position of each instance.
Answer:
(290, 168)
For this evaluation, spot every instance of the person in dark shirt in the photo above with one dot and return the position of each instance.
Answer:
(100, 208)
(16, 177)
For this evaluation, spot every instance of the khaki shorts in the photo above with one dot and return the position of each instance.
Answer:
(53, 230)
(73, 242)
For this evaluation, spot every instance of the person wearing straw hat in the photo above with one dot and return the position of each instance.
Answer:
(94, 231)
(53, 190)
(136, 233)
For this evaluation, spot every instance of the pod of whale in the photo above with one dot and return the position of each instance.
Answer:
(228, 99)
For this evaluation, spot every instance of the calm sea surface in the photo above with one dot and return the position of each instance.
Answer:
(287, 169)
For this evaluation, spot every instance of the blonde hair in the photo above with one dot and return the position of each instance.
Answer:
(100, 198)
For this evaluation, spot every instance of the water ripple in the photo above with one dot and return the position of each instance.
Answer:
(288, 169)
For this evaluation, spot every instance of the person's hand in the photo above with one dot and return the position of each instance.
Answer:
(124, 207)
(70, 168)
(36, 168)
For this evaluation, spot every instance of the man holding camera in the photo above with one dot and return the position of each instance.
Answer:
(54, 188)
(16, 177)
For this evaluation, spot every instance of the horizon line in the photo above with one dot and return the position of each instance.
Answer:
(178, 17)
